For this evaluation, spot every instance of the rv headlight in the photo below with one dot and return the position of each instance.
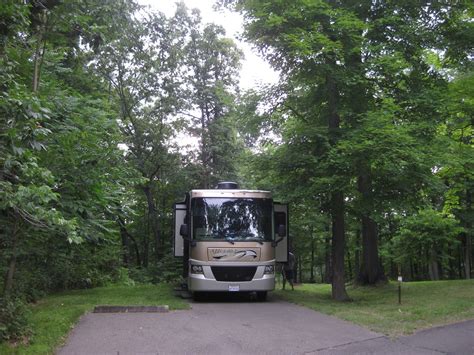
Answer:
(196, 269)
(269, 269)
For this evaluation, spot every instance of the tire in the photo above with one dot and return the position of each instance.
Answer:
(261, 296)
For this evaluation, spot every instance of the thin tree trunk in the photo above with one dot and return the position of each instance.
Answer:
(125, 246)
(328, 261)
(467, 256)
(300, 269)
(349, 264)
(204, 148)
(433, 267)
(152, 222)
(357, 254)
(39, 51)
(311, 279)
(9, 278)
(468, 240)
(128, 236)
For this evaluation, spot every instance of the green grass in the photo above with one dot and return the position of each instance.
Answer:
(53, 317)
(424, 304)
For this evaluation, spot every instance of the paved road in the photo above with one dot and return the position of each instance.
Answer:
(242, 327)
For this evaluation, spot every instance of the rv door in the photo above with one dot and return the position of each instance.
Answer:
(281, 219)
(179, 219)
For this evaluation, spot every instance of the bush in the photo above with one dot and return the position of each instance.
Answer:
(123, 277)
(13, 319)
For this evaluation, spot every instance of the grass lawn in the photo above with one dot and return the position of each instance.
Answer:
(53, 317)
(424, 304)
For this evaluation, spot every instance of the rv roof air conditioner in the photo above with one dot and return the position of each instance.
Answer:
(227, 185)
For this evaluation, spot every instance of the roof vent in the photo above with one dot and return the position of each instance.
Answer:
(227, 185)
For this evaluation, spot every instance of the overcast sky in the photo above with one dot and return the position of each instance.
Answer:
(255, 70)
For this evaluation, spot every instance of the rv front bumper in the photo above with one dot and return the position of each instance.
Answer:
(206, 281)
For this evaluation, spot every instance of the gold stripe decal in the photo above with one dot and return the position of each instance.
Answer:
(233, 254)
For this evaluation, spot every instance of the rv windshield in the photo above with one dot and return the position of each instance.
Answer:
(232, 219)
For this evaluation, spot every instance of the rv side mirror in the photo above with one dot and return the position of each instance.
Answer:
(281, 230)
(183, 230)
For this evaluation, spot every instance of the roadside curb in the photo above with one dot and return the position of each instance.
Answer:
(131, 309)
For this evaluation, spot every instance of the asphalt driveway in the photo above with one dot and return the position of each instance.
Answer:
(243, 327)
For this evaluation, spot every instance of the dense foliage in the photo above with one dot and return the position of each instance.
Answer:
(370, 148)
(110, 112)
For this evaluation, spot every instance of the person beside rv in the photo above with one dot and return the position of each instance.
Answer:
(289, 271)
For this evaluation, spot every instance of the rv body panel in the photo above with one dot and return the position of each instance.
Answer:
(230, 243)
(281, 217)
(179, 219)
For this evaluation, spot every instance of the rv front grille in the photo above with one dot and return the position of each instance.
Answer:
(234, 273)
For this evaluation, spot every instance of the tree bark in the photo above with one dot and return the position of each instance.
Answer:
(371, 271)
(338, 244)
(433, 267)
(124, 232)
(337, 200)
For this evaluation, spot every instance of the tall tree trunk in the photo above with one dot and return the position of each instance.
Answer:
(9, 278)
(371, 271)
(338, 244)
(337, 201)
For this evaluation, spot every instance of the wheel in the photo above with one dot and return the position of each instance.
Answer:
(261, 296)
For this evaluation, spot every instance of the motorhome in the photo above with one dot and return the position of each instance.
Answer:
(230, 239)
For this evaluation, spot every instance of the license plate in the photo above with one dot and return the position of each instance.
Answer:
(234, 288)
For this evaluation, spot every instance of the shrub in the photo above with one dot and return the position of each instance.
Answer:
(13, 319)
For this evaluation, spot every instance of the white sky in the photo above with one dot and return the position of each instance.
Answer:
(254, 70)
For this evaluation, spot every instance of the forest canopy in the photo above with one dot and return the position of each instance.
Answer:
(368, 136)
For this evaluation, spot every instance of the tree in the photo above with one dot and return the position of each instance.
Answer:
(59, 176)
(213, 63)
(360, 69)
(429, 236)
(142, 66)
(458, 167)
